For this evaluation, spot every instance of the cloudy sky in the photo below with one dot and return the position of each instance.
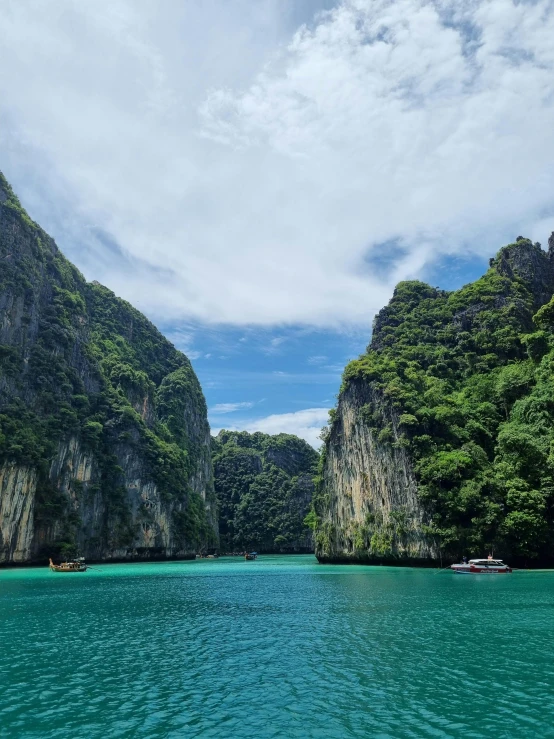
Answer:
(256, 175)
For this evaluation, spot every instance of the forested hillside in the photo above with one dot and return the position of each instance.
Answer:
(104, 440)
(264, 490)
(454, 403)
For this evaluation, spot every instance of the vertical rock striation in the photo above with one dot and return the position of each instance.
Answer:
(372, 509)
(17, 492)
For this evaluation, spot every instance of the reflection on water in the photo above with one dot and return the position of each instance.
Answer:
(280, 647)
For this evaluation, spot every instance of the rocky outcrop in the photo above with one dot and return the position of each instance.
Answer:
(530, 263)
(104, 442)
(373, 511)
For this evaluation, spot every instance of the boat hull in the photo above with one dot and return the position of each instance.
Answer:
(470, 570)
(56, 568)
(74, 567)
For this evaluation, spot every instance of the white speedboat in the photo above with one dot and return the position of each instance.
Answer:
(482, 567)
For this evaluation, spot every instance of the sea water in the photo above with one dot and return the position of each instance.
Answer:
(279, 647)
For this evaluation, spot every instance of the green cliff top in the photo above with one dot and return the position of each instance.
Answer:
(469, 375)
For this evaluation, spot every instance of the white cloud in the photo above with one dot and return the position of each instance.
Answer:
(274, 345)
(230, 407)
(307, 424)
(317, 359)
(249, 174)
(183, 340)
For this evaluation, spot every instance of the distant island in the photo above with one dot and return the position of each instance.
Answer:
(264, 487)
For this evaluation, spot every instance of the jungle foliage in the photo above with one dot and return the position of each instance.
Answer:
(470, 377)
(264, 487)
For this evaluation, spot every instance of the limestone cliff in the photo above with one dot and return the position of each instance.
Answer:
(442, 442)
(264, 487)
(373, 510)
(104, 439)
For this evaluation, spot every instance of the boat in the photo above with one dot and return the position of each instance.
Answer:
(482, 567)
(251, 555)
(74, 565)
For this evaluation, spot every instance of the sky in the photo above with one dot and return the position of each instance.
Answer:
(257, 175)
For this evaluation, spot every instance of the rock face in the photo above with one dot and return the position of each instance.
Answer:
(373, 509)
(528, 262)
(17, 492)
(442, 442)
(104, 440)
(264, 487)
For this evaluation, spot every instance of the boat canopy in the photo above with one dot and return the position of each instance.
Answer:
(486, 562)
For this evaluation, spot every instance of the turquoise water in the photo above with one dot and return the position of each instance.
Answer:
(280, 647)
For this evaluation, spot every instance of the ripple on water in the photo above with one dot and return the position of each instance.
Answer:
(277, 648)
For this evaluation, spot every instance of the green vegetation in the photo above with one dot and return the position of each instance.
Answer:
(75, 360)
(470, 378)
(264, 489)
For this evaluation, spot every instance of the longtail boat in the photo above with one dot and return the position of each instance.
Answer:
(251, 555)
(75, 565)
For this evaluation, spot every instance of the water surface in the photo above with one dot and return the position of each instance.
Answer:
(281, 647)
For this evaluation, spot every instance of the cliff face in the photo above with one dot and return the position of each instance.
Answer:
(104, 439)
(373, 510)
(442, 441)
(264, 487)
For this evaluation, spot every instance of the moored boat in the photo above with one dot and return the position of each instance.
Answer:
(75, 565)
(482, 567)
(251, 555)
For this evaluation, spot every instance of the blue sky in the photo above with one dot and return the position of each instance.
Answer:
(250, 375)
(257, 176)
